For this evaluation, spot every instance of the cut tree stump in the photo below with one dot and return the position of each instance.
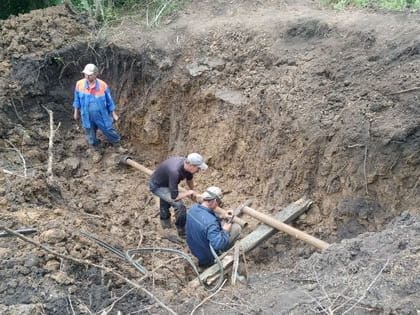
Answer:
(253, 239)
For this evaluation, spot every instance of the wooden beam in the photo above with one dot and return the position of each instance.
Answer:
(273, 222)
(255, 238)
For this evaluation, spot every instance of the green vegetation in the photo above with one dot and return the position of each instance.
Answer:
(396, 5)
(14, 7)
(150, 12)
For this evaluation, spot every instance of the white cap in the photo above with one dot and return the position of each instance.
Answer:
(197, 160)
(90, 69)
(212, 192)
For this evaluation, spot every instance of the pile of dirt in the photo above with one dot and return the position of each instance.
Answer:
(374, 273)
(282, 100)
(34, 36)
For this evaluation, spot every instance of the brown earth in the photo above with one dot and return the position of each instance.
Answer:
(283, 99)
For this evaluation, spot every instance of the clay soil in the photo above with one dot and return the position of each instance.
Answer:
(284, 99)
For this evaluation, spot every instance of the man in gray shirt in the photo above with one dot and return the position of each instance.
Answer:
(164, 184)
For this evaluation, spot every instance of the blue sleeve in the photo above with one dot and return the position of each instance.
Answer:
(109, 101)
(218, 238)
(76, 101)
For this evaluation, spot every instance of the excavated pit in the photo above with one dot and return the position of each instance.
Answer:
(296, 109)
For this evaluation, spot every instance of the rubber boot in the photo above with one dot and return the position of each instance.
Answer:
(166, 224)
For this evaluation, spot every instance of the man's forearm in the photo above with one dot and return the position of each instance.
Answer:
(190, 184)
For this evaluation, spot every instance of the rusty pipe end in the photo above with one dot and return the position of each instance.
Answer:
(123, 160)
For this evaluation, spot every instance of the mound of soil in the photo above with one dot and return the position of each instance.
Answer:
(374, 273)
(283, 100)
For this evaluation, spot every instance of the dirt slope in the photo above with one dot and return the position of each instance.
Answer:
(283, 99)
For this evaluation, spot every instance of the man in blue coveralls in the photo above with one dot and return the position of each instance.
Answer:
(93, 102)
(205, 229)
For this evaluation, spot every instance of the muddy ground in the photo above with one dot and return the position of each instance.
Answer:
(284, 99)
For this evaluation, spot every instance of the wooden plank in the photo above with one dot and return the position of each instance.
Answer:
(255, 238)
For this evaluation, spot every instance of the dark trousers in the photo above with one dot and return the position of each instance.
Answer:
(166, 202)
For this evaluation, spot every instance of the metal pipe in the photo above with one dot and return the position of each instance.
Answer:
(285, 228)
(129, 161)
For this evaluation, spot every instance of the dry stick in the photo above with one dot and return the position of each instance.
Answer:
(368, 288)
(235, 264)
(147, 13)
(11, 173)
(25, 172)
(364, 161)
(364, 170)
(16, 112)
(71, 305)
(237, 311)
(245, 265)
(109, 308)
(168, 262)
(51, 142)
(405, 91)
(141, 239)
(83, 307)
(415, 186)
(341, 295)
(140, 310)
(208, 298)
(160, 12)
(322, 289)
(317, 302)
(86, 262)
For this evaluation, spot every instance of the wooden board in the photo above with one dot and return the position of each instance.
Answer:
(255, 238)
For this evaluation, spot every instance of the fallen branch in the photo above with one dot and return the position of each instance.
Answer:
(16, 112)
(368, 288)
(51, 142)
(405, 91)
(365, 159)
(86, 262)
(109, 308)
(323, 290)
(11, 173)
(208, 298)
(364, 170)
(71, 305)
(21, 157)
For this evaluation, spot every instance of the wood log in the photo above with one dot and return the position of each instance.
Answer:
(255, 238)
(273, 222)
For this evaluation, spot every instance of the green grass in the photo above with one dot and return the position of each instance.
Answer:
(151, 12)
(394, 5)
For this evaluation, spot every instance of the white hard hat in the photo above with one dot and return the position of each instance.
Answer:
(90, 69)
